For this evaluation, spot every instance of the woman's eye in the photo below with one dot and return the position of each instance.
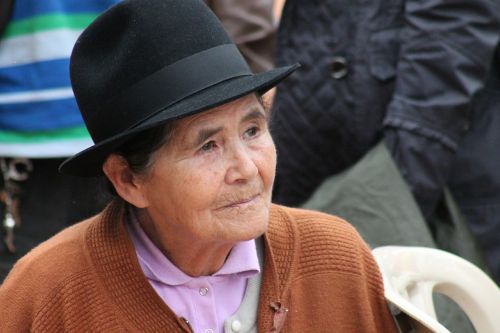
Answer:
(252, 131)
(208, 146)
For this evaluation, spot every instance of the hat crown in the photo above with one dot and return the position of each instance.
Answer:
(133, 40)
(143, 63)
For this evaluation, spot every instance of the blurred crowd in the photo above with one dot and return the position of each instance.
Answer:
(392, 121)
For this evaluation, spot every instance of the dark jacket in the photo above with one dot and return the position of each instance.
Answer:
(411, 73)
(401, 70)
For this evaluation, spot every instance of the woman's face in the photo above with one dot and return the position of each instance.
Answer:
(212, 182)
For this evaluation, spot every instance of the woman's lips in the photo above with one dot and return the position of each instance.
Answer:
(240, 203)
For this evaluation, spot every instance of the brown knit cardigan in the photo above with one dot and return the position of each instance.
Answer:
(318, 276)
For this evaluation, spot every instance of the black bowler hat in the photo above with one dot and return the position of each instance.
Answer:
(145, 62)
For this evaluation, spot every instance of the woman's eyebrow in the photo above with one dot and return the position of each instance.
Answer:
(206, 133)
(255, 113)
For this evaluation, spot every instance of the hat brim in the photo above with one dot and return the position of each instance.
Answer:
(88, 163)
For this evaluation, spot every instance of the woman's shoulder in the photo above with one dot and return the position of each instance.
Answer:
(39, 283)
(324, 241)
(49, 263)
(60, 248)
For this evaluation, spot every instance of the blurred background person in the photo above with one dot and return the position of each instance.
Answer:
(40, 124)
(252, 26)
(419, 76)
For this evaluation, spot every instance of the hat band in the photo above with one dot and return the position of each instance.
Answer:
(165, 87)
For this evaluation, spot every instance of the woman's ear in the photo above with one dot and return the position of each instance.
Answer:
(127, 184)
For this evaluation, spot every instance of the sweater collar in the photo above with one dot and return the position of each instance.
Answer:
(115, 261)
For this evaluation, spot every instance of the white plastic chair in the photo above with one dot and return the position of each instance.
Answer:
(412, 274)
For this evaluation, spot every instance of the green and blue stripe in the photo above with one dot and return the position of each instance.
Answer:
(38, 113)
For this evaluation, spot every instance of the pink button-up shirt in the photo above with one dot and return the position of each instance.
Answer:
(205, 301)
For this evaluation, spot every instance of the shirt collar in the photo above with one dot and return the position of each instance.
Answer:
(242, 260)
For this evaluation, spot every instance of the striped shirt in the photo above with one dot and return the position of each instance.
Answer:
(39, 116)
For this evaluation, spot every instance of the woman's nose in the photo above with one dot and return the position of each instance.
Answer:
(241, 166)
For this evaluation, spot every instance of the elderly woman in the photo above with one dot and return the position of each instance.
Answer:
(192, 242)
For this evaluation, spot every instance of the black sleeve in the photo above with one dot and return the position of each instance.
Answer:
(445, 56)
(423, 162)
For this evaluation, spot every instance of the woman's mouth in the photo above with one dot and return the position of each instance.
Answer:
(241, 203)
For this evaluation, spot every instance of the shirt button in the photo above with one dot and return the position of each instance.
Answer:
(203, 291)
(236, 325)
(209, 330)
(338, 67)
